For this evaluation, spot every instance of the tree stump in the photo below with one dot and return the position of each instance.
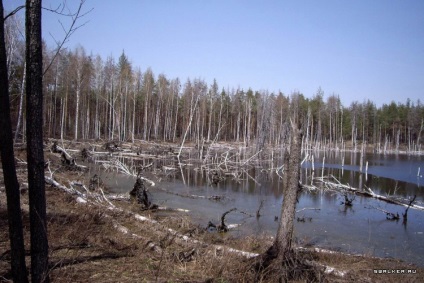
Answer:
(139, 192)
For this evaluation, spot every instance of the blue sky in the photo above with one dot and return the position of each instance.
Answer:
(355, 49)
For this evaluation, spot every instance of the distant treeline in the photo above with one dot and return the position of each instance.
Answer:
(89, 97)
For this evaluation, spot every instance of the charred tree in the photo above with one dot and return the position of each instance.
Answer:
(95, 183)
(405, 215)
(18, 267)
(139, 192)
(223, 227)
(35, 155)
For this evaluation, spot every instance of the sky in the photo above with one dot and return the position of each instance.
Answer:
(358, 49)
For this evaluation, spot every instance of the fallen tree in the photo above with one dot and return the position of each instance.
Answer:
(336, 185)
(67, 160)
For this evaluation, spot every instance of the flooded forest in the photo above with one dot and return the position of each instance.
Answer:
(218, 154)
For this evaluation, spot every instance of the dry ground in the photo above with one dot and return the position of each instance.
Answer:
(88, 243)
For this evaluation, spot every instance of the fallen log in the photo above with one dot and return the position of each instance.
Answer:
(367, 193)
(212, 198)
(389, 215)
(122, 168)
(67, 160)
(71, 191)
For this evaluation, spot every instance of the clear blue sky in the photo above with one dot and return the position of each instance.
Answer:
(357, 49)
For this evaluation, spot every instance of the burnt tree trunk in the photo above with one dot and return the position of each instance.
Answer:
(18, 267)
(35, 157)
(282, 244)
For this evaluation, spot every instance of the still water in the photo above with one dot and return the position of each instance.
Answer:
(360, 229)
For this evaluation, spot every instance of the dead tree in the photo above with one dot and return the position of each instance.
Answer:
(280, 259)
(17, 249)
(405, 215)
(139, 192)
(35, 154)
(282, 244)
(258, 212)
(222, 227)
(348, 201)
(67, 160)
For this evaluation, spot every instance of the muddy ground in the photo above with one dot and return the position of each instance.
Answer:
(97, 241)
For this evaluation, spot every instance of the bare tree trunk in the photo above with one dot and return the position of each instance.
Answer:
(397, 140)
(220, 115)
(77, 112)
(421, 130)
(133, 114)
(158, 108)
(113, 112)
(146, 107)
(18, 267)
(249, 117)
(35, 155)
(63, 106)
(176, 121)
(148, 88)
(21, 100)
(192, 110)
(96, 119)
(283, 240)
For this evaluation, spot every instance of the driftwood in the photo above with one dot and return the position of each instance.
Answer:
(348, 201)
(405, 215)
(222, 227)
(367, 193)
(258, 212)
(395, 216)
(212, 198)
(389, 215)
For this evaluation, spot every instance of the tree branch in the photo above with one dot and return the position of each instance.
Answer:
(75, 17)
(14, 12)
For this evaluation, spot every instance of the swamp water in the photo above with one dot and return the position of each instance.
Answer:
(360, 229)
